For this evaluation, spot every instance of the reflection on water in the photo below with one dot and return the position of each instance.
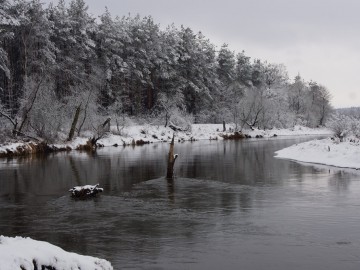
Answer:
(231, 206)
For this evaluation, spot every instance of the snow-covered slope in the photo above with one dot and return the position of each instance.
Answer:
(327, 151)
(26, 253)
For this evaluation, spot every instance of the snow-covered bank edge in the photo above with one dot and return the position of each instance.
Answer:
(138, 135)
(328, 152)
(26, 254)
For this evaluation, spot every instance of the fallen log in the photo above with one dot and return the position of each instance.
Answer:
(233, 136)
(84, 192)
(177, 128)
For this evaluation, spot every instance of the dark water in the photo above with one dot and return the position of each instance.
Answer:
(232, 206)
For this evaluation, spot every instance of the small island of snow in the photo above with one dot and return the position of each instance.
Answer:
(331, 152)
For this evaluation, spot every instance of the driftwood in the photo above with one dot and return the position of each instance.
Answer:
(171, 160)
(233, 136)
(91, 144)
(177, 128)
(84, 192)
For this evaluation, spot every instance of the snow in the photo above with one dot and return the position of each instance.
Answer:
(21, 253)
(11, 147)
(73, 144)
(326, 152)
(87, 190)
(155, 133)
(88, 187)
(295, 131)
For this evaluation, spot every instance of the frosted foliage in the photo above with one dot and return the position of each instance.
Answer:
(181, 119)
(41, 109)
(343, 126)
(131, 67)
(47, 117)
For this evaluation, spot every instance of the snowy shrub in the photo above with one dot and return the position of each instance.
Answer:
(5, 128)
(4, 133)
(145, 129)
(40, 111)
(119, 123)
(182, 119)
(340, 125)
(89, 118)
(152, 118)
(207, 117)
(355, 127)
(299, 121)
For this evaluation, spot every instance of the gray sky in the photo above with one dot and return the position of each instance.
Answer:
(320, 39)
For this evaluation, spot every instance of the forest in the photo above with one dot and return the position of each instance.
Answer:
(62, 69)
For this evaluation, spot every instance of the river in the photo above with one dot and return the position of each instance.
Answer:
(232, 206)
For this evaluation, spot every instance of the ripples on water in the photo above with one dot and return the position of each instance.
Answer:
(231, 206)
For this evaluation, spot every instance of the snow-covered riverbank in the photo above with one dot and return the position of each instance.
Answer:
(327, 152)
(28, 254)
(133, 135)
(198, 132)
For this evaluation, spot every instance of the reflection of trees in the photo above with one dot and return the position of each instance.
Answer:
(241, 162)
(339, 181)
(55, 174)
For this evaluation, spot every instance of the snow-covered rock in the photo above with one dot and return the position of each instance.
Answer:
(85, 191)
(29, 254)
(327, 152)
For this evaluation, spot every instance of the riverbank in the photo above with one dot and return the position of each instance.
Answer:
(26, 253)
(144, 134)
(330, 152)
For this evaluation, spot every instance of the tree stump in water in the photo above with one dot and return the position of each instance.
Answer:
(171, 160)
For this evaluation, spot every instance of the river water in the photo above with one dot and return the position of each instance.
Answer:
(232, 206)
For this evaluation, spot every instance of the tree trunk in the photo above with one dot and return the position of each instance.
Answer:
(171, 160)
(224, 127)
(30, 105)
(166, 118)
(74, 123)
(85, 113)
(149, 97)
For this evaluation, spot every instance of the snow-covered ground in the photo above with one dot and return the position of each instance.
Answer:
(327, 152)
(153, 133)
(28, 254)
(198, 132)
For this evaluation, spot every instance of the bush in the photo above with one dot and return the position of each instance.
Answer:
(344, 126)
(182, 119)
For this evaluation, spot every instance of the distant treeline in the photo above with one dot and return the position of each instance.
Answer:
(58, 60)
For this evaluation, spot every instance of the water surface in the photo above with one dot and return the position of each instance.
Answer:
(231, 206)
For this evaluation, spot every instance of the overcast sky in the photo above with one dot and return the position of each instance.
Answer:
(320, 39)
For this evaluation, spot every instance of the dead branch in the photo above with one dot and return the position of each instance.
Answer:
(171, 160)
(13, 122)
